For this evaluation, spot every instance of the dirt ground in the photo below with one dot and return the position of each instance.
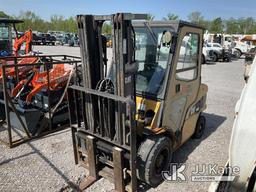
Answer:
(47, 164)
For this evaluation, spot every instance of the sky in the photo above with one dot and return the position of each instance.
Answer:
(159, 8)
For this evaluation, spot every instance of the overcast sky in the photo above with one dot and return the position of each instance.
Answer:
(159, 8)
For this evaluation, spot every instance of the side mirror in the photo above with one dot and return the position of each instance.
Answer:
(166, 38)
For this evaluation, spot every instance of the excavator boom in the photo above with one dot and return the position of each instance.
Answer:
(27, 37)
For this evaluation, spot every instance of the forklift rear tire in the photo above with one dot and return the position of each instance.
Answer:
(200, 127)
(154, 156)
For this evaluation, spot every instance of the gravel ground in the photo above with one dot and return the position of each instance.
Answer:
(47, 164)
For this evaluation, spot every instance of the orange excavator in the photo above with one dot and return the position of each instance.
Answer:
(35, 85)
(6, 48)
(27, 37)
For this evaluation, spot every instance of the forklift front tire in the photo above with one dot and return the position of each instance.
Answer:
(200, 127)
(154, 156)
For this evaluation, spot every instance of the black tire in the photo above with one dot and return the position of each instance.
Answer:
(154, 156)
(215, 57)
(203, 59)
(239, 54)
(2, 113)
(252, 182)
(200, 127)
(41, 127)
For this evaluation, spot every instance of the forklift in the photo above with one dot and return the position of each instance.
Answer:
(129, 116)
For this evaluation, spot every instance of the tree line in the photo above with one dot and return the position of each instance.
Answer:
(244, 25)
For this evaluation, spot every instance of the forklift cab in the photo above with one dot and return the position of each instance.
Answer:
(168, 79)
(6, 36)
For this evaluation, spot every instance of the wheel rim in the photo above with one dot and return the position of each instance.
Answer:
(200, 129)
(161, 161)
(214, 57)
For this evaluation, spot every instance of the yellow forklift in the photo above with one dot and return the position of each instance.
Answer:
(128, 117)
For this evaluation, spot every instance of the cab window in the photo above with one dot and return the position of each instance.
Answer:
(5, 38)
(152, 60)
(187, 65)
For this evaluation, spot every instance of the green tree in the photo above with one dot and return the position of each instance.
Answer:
(57, 22)
(195, 17)
(106, 29)
(216, 26)
(248, 24)
(31, 20)
(206, 24)
(231, 26)
(150, 17)
(171, 16)
(4, 15)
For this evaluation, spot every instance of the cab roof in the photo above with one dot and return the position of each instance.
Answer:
(174, 23)
(6, 20)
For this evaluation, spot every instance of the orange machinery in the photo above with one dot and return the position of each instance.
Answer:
(6, 38)
(58, 77)
(37, 102)
(10, 72)
(27, 37)
(6, 42)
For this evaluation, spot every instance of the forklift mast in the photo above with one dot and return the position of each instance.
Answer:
(104, 134)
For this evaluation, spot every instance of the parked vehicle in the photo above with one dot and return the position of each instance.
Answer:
(48, 39)
(43, 39)
(234, 42)
(219, 53)
(63, 39)
(74, 40)
(59, 39)
(207, 54)
(37, 39)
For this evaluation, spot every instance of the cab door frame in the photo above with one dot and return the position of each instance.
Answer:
(182, 94)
